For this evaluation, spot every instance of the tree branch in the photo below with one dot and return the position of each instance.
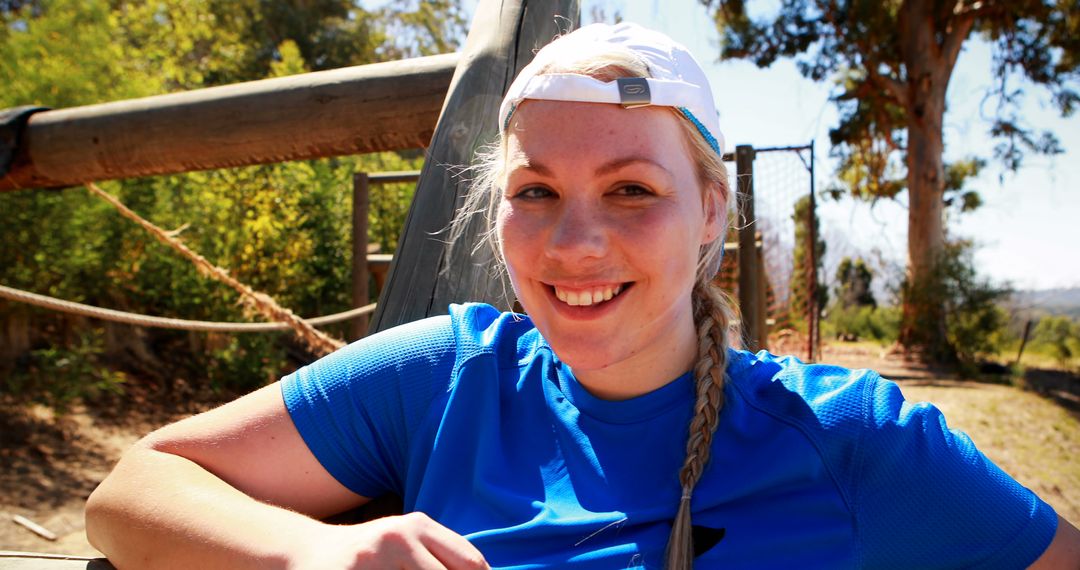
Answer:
(889, 84)
(959, 27)
(894, 87)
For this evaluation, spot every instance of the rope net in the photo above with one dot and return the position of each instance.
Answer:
(782, 187)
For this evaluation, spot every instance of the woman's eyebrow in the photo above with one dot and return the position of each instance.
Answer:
(524, 163)
(621, 163)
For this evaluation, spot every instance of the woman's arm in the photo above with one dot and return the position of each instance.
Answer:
(1064, 550)
(237, 487)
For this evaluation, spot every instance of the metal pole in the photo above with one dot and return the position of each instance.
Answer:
(360, 294)
(748, 272)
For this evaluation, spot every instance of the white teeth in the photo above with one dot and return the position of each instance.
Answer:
(588, 296)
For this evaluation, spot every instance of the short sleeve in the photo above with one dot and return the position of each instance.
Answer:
(927, 498)
(357, 408)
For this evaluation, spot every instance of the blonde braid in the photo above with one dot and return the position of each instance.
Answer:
(711, 315)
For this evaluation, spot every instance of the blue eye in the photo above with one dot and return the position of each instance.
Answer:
(633, 190)
(534, 193)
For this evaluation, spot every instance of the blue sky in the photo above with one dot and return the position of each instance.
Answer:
(1029, 227)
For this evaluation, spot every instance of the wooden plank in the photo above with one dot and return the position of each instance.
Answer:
(502, 40)
(399, 176)
(361, 109)
(10, 560)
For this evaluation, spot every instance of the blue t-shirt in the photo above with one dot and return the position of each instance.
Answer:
(472, 419)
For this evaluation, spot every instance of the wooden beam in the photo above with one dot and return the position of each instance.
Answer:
(503, 37)
(367, 108)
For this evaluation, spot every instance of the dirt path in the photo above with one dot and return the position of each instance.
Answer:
(51, 463)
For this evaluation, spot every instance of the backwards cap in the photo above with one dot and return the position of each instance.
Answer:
(677, 79)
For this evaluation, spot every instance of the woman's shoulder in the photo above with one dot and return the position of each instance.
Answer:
(820, 395)
(481, 329)
(466, 330)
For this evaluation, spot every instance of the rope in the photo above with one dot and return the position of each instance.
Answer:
(165, 322)
(317, 341)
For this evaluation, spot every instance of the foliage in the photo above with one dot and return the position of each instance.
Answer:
(864, 46)
(854, 322)
(973, 319)
(1058, 337)
(854, 313)
(283, 228)
(891, 63)
(59, 375)
(854, 279)
(800, 278)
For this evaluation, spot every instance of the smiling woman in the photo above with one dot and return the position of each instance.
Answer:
(635, 228)
(610, 426)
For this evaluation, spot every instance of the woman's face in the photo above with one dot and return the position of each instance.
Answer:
(600, 223)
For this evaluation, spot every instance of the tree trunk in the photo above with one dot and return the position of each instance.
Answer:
(923, 326)
(923, 329)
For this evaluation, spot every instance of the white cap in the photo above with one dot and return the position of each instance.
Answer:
(677, 79)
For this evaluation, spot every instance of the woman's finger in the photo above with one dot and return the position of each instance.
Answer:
(453, 550)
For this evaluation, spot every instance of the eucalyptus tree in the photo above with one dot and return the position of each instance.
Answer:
(892, 61)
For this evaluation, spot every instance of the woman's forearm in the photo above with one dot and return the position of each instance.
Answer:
(163, 511)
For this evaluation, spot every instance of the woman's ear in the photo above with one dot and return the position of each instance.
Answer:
(715, 214)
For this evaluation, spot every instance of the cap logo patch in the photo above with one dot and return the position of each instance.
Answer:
(634, 92)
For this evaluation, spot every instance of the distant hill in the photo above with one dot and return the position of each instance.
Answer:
(1048, 301)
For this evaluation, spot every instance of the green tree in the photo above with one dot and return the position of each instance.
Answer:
(853, 284)
(973, 320)
(893, 61)
(802, 264)
(1059, 336)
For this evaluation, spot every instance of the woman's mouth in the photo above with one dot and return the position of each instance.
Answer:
(587, 296)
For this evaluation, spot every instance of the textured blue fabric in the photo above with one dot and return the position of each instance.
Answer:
(473, 420)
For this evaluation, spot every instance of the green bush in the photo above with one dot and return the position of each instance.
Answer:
(1057, 337)
(60, 375)
(975, 323)
(881, 324)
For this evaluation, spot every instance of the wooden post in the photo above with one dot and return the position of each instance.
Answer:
(762, 311)
(749, 287)
(354, 110)
(1023, 342)
(360, 295)
(813, 321)
(379, 266)
(422, 282)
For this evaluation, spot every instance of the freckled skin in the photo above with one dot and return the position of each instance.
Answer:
(598, 195)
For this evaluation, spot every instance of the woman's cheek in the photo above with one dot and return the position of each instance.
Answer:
(515, 237)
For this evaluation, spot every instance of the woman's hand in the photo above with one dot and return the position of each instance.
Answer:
(412, 541)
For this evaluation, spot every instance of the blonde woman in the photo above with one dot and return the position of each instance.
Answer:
(611, 427)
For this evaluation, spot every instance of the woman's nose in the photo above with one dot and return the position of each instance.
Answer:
(578, 232)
